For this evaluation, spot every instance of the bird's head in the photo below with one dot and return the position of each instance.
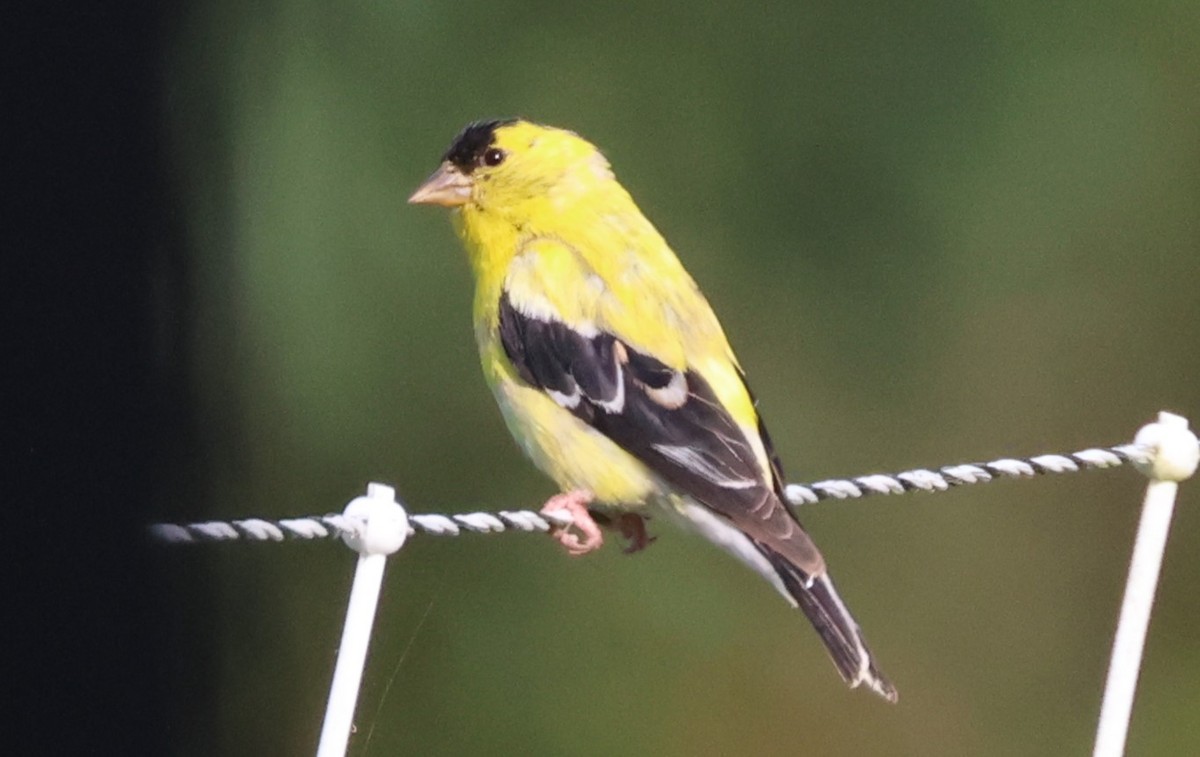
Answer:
(514, 167)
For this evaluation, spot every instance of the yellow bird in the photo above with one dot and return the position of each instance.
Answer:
(612, 371)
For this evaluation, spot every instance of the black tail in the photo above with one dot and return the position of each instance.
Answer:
(819, 600)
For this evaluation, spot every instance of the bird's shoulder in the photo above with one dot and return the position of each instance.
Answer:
(636, 296)
(631, 288)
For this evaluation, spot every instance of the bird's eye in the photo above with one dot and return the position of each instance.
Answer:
(493, 157)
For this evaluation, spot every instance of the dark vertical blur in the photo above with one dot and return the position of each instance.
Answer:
(94, 402)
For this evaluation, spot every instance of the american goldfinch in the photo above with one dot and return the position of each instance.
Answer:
(612, 371)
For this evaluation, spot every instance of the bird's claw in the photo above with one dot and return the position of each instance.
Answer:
(575, 504)
(633, 528)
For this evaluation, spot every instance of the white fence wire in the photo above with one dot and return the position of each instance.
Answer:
(376, 526)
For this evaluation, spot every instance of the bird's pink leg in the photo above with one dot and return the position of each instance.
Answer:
(633, 528)
(575, 503)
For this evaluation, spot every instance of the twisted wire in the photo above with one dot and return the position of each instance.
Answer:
(921, 479)
(335, 526)
(917, 479)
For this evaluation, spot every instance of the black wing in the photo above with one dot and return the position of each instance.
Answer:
(669, 420)
(672, 422)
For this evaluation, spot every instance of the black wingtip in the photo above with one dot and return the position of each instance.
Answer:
(843, 639)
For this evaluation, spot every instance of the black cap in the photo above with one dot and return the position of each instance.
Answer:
(472, 142)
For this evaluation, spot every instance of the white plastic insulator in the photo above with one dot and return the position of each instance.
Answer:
(1174, 455)
(382, 522)
(1176, 449)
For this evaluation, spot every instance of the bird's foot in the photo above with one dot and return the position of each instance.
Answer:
(633, 527)
(575, 503)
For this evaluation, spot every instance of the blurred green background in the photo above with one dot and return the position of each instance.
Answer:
(935, 233)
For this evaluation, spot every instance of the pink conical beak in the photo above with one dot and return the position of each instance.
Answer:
(448, 186)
